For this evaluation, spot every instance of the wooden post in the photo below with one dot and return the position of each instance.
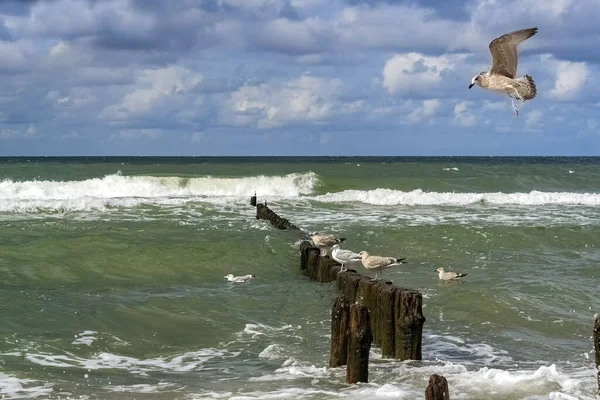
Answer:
(408, 321)
(347, 283)
(385, 327)
(437, 389)
(597, 348)
(340, 318)
(253, 201)
(359, 344)
(324, 266)
(264, 212)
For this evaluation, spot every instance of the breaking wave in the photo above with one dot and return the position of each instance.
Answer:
(388, 197)
(128, 191)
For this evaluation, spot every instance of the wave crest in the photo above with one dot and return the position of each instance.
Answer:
(389, 197)
(117, 190)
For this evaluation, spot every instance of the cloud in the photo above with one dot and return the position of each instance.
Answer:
(172, 76)
(416, 72)
(270, 105)
(570, 78)
(462, 115)
(153, 86)
(427, 110)
(533, 120)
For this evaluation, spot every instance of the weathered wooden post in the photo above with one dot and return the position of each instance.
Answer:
(437, 388)
(409, 320)
(264, 212)
(384, 319)
(359, 344)
(253, 201)
(340, 318)
(597, 348)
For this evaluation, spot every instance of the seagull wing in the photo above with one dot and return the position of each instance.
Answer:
(348, 255)
(504, 51)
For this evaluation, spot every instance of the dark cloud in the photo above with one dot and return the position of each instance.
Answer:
(448, 9)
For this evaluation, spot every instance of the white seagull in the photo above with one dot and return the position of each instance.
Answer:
(378, 263)
(325, 241)
(238, 279)
(501, 76)
(343, 256)
(449, 276)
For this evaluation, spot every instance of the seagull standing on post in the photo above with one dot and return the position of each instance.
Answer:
(502, 73)
(325, 241)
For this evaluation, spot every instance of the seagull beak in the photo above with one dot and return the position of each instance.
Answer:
(471, 85)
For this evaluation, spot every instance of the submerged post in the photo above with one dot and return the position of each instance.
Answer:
(437, 388)
(359, 344)
(597, 348)
(253, 201)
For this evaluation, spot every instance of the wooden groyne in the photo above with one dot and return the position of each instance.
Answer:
(596, 337)
(264, 212)
(396, 314)
(365, 312)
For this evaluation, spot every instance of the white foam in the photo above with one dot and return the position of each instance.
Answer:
(181, 363)
(272, 352)
(15, 388)
(141, 388)
(85, 338)
(129, 191)
(388, 197)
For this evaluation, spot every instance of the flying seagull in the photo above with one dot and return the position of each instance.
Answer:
(325, 241)
(238, 279)
(378, 263)
(449, 276)
(343, 256)
(502, 73)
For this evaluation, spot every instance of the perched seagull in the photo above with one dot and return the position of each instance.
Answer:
(239, 279)
(379, 263)
(343, 256)
(449, 276)
(502, 73)
(325, 241)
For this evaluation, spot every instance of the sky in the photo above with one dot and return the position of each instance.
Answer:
(292, 77)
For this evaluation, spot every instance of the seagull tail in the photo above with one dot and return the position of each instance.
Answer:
(461, 275)
(527, 88)
(401, 260)
(340, 240)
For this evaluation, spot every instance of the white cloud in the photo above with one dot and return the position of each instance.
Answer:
(29, 133)
(462, 116)
(13, 55)
(415, 71)
(427, 110)
(66, 54)
(533, 120)
(126, 134)
(269, 105)
(153, 86)
(570, 78)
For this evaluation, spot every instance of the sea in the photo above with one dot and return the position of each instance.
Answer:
(112, 275)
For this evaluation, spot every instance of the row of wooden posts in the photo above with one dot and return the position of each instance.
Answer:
(369, 311)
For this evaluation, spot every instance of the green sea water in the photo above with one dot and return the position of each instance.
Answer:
(113, 275)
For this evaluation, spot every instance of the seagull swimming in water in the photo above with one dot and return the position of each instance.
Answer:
(343, 256)
(325, 241)
(449, 276)
(502, 73)
(378, 263)
(239, 279)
